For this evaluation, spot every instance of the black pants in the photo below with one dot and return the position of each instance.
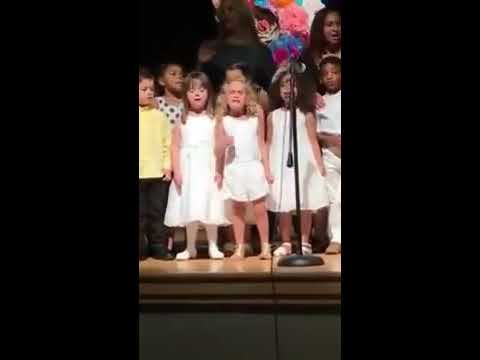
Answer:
(153, 204)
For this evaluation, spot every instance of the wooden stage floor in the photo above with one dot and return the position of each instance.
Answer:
(250, 281)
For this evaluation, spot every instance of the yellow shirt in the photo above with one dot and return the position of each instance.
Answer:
(154, 139)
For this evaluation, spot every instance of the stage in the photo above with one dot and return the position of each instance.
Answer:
(251, 281)
(243, 309)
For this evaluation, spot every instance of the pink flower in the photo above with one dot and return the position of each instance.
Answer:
(263, 26)
(266, 31)
(280, 55)
(294, 52)
(294, 19)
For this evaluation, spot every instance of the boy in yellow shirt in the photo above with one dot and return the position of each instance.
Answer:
(154, 172)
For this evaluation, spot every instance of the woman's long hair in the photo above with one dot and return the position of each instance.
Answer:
(318, 43)
(246, 22)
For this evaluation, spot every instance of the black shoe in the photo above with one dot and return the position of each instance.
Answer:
(161, 254)
(167, 256)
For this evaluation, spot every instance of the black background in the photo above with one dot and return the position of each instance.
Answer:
(173, 31)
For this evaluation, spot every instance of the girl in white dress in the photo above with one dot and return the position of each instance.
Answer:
(242, 160)
(194, 196)
(313, 192)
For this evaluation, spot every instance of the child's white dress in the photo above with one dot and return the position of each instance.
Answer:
(330, 121)
(199, 199)
(244, 175)
(313, 191)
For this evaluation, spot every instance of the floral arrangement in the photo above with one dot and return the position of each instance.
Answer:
(283, 48)
(283, 25)
(293, 19)
(266, 24)
(267, 31)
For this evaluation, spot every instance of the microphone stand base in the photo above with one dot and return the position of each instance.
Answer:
(300, 261)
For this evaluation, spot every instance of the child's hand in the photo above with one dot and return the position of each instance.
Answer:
(219, 181)
(167, 175)
(269, 177)
(320, 102)
(337, 140)
(177, 179)
(322, 169)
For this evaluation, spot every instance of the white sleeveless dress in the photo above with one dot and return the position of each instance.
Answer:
(244, 176)
(313, 192)
(200, 199)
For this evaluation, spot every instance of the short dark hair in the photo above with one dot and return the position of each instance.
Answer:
(163, 67)
(144, 73)
(333, 60)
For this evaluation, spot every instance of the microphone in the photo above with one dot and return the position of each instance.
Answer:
(296, 66)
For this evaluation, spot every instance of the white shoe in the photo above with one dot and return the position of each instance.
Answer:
(306, 249)
(283, 250)
(214, 253)
(186, 255)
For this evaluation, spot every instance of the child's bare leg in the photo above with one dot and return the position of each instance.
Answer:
(321, 223)
(239, 229)
(260, 210)
(306, 224)
(285, 224)
(212, 235)
(191, 251)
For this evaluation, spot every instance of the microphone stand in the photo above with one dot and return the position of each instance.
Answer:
(298, 259)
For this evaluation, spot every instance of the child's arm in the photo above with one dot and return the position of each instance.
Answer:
(222, 140)
(269, 132)
(175, 150)
(262, 145)
(331, 140)
(166, 143)
(310, 124)
(264, 101)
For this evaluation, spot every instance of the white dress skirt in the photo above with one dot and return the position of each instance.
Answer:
(199, 198)
(313, 191)
(244, 175)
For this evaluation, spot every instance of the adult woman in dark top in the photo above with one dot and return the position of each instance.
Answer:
(238, 42)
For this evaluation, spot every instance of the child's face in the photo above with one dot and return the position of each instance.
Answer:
(197, 97)
(172, 79)
(285, 89)
(332, 28)
(145, 92)
(232, 75)
(236, 96)
(331, 77)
